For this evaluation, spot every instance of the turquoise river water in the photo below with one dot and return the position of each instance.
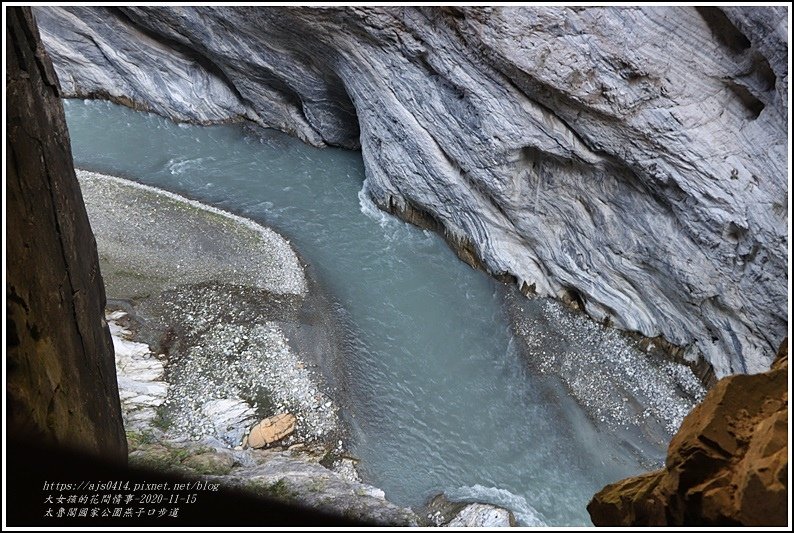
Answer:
(440, 398)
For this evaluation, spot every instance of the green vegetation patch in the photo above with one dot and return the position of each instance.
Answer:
(278, 490)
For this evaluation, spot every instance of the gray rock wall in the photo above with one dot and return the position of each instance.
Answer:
(634, 158)
(61, 378)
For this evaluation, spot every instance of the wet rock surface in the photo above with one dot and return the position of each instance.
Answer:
(633, 157)
(440, 511)
(483, 515)
(726, 466)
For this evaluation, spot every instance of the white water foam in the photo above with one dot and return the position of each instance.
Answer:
(525, 514)
(371, 210)
(182, 166)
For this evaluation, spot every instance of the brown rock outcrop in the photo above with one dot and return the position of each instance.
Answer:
(61, 378)
(727, 465)
(271, 430)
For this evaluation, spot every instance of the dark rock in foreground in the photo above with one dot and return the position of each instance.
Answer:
(61, 381)
(294, 477)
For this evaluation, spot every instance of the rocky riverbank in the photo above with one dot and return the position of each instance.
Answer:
(638, 394)
(215, 328)
(211, 294)
(200, 303)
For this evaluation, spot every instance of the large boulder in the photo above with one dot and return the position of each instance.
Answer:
(271, 430)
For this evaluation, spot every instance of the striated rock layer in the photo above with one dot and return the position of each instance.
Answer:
(726, 466)
(61, 378)
(631, 159)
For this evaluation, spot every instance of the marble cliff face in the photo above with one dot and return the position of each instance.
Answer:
(632, 158)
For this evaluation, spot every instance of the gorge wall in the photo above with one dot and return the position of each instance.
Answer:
(61, 376)
(633, 159)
